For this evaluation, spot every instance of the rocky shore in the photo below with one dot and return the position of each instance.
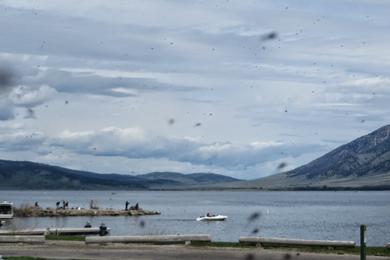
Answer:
(77, 212)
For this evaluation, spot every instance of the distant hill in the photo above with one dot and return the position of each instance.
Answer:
(179, 179)
(363, 163)
(30, 175)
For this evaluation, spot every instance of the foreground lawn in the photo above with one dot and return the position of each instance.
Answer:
(65, 238)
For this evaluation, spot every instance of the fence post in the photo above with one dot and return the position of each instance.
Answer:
(362, 242)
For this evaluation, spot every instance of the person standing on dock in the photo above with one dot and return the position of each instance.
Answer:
(58, 204)
(36, 204)
(127, 205)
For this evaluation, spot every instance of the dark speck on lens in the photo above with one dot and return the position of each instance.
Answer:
(142, 224)
(254, 216)
(197, 124)
(281, 165)
(255, 231)
(171, 121)
(30, 114)
(269, 36)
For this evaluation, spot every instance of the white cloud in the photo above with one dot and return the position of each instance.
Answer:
(20, 140)
(26, 96)
(136, 144)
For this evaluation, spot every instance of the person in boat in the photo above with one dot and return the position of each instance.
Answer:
(127, 205)
(208, 215)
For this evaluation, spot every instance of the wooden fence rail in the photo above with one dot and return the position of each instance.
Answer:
(299, 242)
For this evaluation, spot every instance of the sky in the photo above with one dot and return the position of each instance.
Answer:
(241, 88)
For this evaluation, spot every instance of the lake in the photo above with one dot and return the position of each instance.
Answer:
(295, 214)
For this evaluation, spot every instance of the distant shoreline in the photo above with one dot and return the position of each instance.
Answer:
(376, 188)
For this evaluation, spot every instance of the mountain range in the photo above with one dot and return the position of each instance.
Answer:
(30, 175)
(363, 163)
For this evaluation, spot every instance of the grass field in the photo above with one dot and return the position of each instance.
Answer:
(65, 238)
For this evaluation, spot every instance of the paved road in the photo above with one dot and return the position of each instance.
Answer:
(77, 250)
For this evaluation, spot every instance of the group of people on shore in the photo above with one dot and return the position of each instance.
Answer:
(65, 204)
(135, 207)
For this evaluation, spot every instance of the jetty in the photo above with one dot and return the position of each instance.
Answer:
(78, 212)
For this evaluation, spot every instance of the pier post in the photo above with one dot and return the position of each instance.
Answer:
(362, 242)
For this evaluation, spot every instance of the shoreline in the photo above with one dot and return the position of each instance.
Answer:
(365, 188)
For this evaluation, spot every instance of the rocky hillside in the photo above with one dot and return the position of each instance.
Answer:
(362, 163)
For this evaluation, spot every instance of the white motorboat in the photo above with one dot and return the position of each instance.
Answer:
(212, 218)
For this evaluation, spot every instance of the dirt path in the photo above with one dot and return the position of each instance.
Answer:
(78, 250)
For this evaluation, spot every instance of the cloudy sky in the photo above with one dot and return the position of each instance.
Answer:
(232, 87)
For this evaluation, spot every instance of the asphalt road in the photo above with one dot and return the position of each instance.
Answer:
(77, 250)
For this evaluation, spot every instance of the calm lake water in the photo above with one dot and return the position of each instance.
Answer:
(302, 214)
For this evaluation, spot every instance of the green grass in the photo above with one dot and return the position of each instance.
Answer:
(65, 238)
